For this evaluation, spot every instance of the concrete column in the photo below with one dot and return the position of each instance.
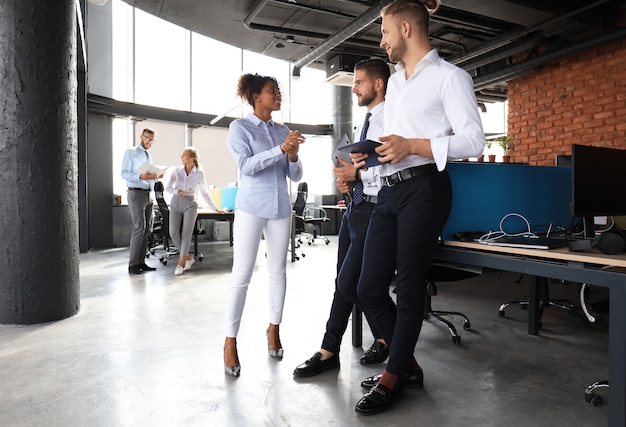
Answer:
(39, 276)
(342, 119)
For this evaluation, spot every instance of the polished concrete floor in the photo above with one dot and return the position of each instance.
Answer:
(146, 350)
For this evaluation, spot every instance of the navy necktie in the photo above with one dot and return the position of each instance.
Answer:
(357, 195)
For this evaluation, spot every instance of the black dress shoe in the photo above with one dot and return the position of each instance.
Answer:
(146, 267)
(413, 379)
(377, 353)
(316, 365)
(378, 400)
(134, 269)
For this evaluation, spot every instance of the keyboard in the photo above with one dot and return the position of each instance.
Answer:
(527, 242)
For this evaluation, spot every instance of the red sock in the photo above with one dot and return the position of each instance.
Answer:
(388, 380)
(414, 365)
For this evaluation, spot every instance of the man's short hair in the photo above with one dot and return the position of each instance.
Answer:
(409, 10)
(375, 68)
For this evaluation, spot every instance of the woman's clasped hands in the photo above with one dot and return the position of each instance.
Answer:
(291, 144)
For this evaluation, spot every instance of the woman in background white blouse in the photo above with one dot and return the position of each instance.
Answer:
(184, 182)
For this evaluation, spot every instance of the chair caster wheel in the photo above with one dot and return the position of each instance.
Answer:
(593, 399)
(164, 262)
(456, 339)
(467, 326)
(201, 257)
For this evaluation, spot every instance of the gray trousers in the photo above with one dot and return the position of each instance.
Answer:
(183, 214)
(140, 206)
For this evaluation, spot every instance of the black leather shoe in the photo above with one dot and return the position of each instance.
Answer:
(377, 353)
(146, 267)
(413, 379)
(378, 400)
(316, 365)
(134, 269)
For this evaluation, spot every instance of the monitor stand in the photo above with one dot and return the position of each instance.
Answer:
(589, 227)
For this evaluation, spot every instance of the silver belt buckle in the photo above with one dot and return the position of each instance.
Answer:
(386, 180)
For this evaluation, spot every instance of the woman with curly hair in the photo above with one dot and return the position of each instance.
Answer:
(266, 154)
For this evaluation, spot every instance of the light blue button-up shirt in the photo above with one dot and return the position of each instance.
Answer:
(133, 158)
(263, 167)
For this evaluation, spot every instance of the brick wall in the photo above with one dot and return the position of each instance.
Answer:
(580, 99)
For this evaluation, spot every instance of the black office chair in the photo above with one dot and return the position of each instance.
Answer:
(440, 272)
(544, 294)
(544, 301)
(308, 220)
(164, 210)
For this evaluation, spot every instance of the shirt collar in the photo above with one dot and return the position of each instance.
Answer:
(432, 57)
(254, 119)
(377, 108)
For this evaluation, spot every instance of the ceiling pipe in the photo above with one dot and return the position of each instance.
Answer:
(359, 23)
(247, 22)
(497, 54)
(528, 66)
(508, 37)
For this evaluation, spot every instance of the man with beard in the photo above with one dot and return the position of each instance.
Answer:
(370, 84)
(431, 115)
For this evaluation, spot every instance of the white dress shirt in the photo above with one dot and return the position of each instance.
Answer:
(437, 102)
(371, 176)
(190, 184)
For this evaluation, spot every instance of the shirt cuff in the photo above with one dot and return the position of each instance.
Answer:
(439, 147)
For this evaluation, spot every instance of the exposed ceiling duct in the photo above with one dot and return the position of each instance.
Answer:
(485, 37)
(369, 16)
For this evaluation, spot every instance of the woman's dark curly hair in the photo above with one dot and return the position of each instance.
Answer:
(252, 84)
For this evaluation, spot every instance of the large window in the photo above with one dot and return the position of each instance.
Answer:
(215, 68)
(161, 63)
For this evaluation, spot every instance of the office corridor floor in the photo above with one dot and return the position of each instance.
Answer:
(146, 350)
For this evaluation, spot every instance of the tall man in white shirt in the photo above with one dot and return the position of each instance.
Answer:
(370, 85)
(431, 115)
(139, 201)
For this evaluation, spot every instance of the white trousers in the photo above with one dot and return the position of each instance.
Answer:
(247, 233)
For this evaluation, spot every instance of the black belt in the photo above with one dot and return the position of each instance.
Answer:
(137, 189)
(403, 175)
(370, 199)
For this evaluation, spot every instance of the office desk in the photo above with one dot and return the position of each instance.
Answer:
(581, 267)
(208, 214)
(340, 208)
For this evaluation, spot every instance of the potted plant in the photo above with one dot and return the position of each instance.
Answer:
(491, 157)
(505, 142)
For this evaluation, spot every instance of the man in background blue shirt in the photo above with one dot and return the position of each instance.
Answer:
(139, 201)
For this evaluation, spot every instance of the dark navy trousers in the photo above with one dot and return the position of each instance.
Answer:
(350, 253)
(402, 235)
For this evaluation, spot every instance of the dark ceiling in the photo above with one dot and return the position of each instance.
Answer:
(494, 40)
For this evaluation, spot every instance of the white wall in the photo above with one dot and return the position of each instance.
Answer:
(219, 167)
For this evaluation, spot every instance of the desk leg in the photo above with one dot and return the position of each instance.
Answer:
(292, 238)
(357, 327)
(534, 313)
(231, 231)
(617, 356)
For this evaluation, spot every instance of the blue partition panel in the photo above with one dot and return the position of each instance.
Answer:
(483, 193)
(228, 197)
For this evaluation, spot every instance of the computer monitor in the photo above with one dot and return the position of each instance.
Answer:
(598, 184)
